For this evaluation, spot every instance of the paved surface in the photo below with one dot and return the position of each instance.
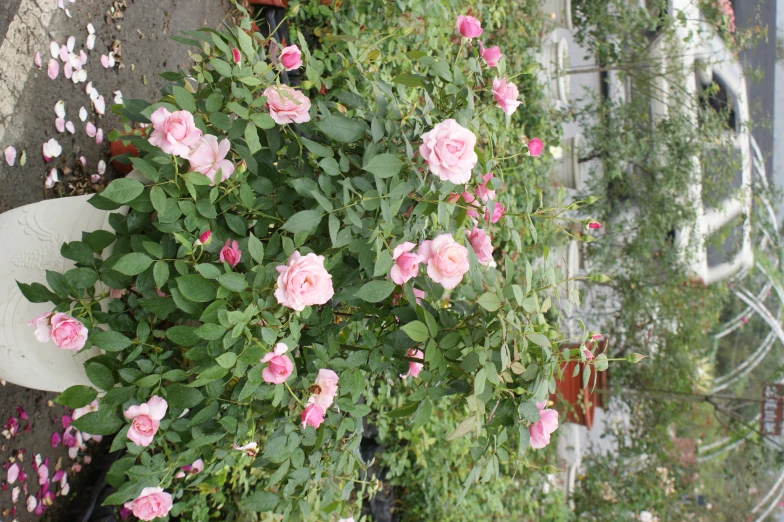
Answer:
(27, 120)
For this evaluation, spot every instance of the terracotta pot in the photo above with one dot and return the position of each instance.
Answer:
(581, 399)
(273, 3)
(118, 147)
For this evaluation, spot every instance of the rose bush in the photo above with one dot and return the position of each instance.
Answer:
(257, 352)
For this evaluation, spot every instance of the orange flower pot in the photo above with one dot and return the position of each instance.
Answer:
(118, 147)
(581, 399)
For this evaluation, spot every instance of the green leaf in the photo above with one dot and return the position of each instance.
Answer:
(99, 375)
(117, 396)
(246, 44)
(489, 302)
(147, 170)
(303, 221)
(227, 360)
(221, 121)
(98, 423)
(375, 291)
(132, 264)
(37, 293)
(223, 68)
(160, 273)
(403, 411)
(210, 331)
(538, 339)
(422, 415)
(409, 80)
(417, 331)
(184, 99)
(256, 249)
(252, 138)
(384, 165)
(81, 278)
(183, 335)
(210, 411)
(233, 281)
(77, 251)
(322, 151)
(528, 411)
(207, 270)
(209, 375)
(465, 427)
(263, 120)
(110, 341)
(180, 396)
(123, 190)
(197, 289)
(260, 502)
(341, 129)
(76, 396)
(600, 362)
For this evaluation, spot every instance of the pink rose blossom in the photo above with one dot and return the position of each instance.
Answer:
(303, 281)
(152, 503)
(588, 354)
(174, 132)
(68, 333)
(196, 467)
(448, 150)
(406, 263)
(312, 415)
(325, 389)
(482, 245)
(231, 254)
(287, 105)
(471, 209)
(290, 58)
(235, 54)
(491, 55)
(482, 192)
(540, 430)
(447, 260)
(414, 367)
(469, 26)
(43, 326)
(279, 367)
(498, 212)
(208, 157)
(506, 95)
(145, 420)
(535, 146)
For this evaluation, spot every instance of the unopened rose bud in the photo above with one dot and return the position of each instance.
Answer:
(634, 358)
(242, 167)
(594, 224)
(236, 55)
(204, 239)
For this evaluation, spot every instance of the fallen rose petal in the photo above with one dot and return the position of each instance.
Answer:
(10, 155)
(65, 489)
(99, 137)
(68, 13)
(31, 501)
(83, 114)
(54, 49)
(56, 439)
(80, 76)
(68, 70)
(101, 167)
(27, 428)
(63, 54)
(59, 124)
(91, 130)
(37, 59)
(71, 43)
(60, 4)
(39, 509)
(22, 476)
(91, 91)
(82, 57)
(107, 61)
(75, 61)
(54, 68)
(15, 494)
(21, 412)
(66, 419)
(77, 468)
(90, 43)
(90, 28)
(43, 475)
(52, 149)
(51, 179)
(58, 475)
(100, 105)
(13, 473)
(118, 98)
(69, 126)
(59, 109)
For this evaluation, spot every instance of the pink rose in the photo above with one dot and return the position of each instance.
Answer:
(484, 193)
(406, 263)
(588, 354)
(312, 415)
(447, 260)
(208, 157)
(506, 95)
(498, 212)
(152, 503)
(482, 245)
(324, 389)
(279, 367)
(236, 56)
(471, 208)
(290, 58)
(67, 333)
(231, 254)
(448, 150)
(303, 281)
(469, 26)
(43, 327)
(174, 132)
(540, 430)
(146, 420)
(204, 239)
(535, 146)
(196, 467)
(287, 105)
(491, 55)
(414, 367)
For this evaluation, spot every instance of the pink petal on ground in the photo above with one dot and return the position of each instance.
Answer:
(100, 105)
(51, 179)
(87, 459)
(90, 28)
(90, 44)
(37, 59)
(39, 509)
(59, 109)
(68, 13)
(58, 475)
(82, 57)
(22, 477)
(31, 501)
(10, 155)
(59, 124)
(51, 149)
(65, 489)
(99, 137)
(80, 76)
(118, 99)
(101, 167)
(60, 4)
(105, 61)
(56, 439)
(21, 412)
(43, 475)
(83, 161)
(83, 114)
(15, 495)
(91, 130)
(66, 420)
(71, 43)
(69, 126)
(95, 178)
(68, 70)
(54, 68)
(54, 49)
(63, 53)
(13, 473)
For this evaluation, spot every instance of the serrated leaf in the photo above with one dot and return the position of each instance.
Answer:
(417, 331)
(465, 427)
(384, 165)
(375, 291)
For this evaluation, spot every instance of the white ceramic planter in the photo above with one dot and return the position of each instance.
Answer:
(566, 172)
(562, 9)
(31, 237)
(555, 63)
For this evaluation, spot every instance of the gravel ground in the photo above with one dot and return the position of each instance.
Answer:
(143, 31)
